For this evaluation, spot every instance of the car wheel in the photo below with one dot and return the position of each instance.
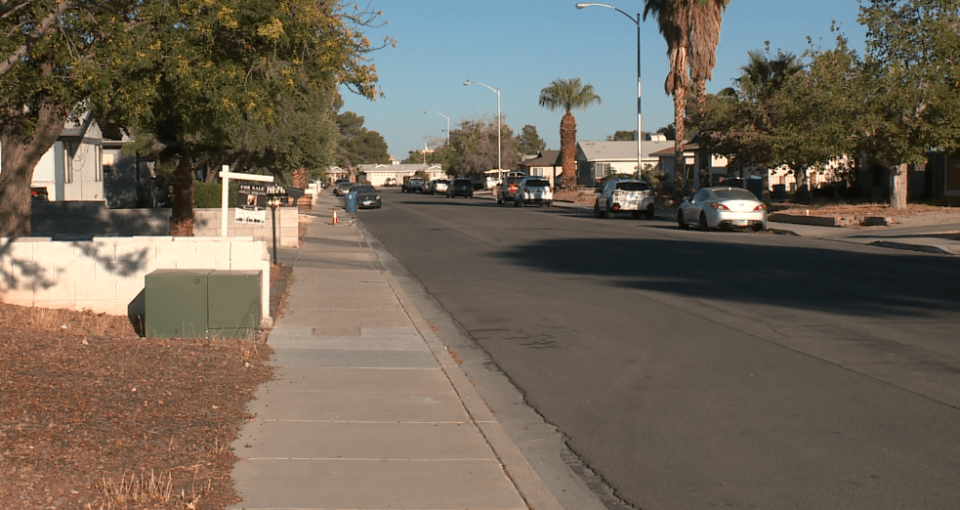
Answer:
(608, 214)
(596, 210)
(649, 213)
(680, 222)
(703, 222)
(517, 202)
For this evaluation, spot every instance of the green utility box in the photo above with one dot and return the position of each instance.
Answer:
(233, 303)
(184, 303)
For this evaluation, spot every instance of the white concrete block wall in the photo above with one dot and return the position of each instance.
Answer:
(207, 223)
(106, 275)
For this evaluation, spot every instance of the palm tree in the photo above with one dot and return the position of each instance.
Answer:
(691, 29)
(706, 17)
(569, 95)
(673, 21)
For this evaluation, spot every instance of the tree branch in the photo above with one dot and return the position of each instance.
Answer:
(35, 35)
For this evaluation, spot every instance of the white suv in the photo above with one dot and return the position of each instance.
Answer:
(534, 191)
(624, 195)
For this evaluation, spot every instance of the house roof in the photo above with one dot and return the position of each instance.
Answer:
(401, 167)
(620, 151)
(669, 151)
(544, 158)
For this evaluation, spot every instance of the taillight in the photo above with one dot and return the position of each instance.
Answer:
(761, 207)
(719, 207)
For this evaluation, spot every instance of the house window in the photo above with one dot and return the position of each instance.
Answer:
(600, 170)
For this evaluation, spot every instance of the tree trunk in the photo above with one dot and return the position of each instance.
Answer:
(181, 218)
(803, 188)
(568, 151)
(680, 164)
(300, 178)
(898, 186)
(703, 172)
(21, 152)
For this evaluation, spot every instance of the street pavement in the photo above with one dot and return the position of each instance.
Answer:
(938, 234)
(368, 409)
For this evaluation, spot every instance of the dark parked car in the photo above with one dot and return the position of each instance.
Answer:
(367, 196)
(460, 188)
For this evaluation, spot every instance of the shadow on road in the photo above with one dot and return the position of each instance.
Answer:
(873, 285)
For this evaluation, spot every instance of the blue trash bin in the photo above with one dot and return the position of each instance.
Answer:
(350, 201)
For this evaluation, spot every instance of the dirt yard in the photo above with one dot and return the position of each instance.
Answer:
(94, 417)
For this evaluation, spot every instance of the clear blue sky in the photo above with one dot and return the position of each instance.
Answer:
(519, 46)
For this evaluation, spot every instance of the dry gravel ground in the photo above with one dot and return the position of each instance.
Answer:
(94, 417)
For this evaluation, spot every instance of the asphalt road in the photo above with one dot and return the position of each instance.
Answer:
(700, 370)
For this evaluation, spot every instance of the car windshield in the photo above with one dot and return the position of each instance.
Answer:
(734, 194)
(461, 182)
(538, 184)
(364, 189)
(633, 186)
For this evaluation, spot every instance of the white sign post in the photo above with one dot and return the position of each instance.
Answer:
(226, 175)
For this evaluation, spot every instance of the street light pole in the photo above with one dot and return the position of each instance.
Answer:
(448, 122)
(499, 128)
(639, 109)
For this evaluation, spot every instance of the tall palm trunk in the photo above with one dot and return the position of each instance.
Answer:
(21, 153)
(568, 151)
(703, 173)
(181, 218)
(680, 166)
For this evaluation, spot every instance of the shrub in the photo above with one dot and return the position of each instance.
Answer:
(206, 195)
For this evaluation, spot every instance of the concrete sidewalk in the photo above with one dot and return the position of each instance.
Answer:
(368, 410)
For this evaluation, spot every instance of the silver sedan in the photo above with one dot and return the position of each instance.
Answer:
(723, 207)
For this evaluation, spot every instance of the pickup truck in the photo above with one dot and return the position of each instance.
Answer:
(414, 185)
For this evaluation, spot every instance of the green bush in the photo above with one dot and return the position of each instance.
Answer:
(206, 195)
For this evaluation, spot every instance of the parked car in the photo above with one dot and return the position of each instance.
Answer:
(367, 196)
(723, 207)
(341, 188)
(414, 185)
(460, 188)
(624, 195)
(533, 191)
(507, 188)
(440, 186)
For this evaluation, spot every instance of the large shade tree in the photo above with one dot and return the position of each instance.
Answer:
(196, 69)
(911, 79)
(568, 95)
(49, 49)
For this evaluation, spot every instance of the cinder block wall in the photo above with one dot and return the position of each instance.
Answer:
(106, 274)
(85, 220)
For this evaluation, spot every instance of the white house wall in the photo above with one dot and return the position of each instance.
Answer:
(45, 174)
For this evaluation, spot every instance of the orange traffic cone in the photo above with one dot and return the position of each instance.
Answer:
(334, 217)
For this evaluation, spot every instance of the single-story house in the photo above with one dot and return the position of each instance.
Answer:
(377, 174)
(545, 164)
(72, 169)
(596, 160)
